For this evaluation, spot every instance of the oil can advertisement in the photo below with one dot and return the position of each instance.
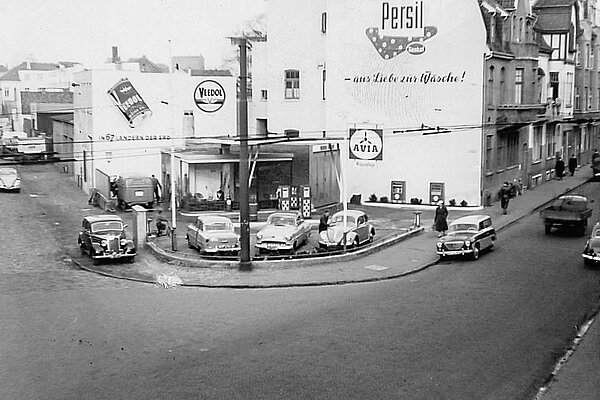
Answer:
(129, 102)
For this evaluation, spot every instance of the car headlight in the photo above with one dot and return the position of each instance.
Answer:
(259, 236)
(123, 242)
(289, 237)
(439, 245)
(104, 243)
(467, 243)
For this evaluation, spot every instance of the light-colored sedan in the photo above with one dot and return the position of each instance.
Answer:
(9, 180)
(358, 230)
(284, 231)
(591, 251)
(213, 234)
(467, 235)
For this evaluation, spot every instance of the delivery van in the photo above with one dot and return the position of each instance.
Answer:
(135, 190)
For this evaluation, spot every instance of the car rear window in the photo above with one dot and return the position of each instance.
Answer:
(218, 226)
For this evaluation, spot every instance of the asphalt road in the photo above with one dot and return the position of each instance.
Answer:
(490, 329)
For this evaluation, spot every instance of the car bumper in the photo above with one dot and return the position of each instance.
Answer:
(274, 246)
(217, 250)
(10, 189)
(461, 252)
(113, 256)
(591, 257)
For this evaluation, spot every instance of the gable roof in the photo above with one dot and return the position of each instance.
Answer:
(554, 16)
(13, 73)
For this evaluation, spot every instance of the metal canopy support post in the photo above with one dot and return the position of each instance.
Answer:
(245, 263)
(253, 167)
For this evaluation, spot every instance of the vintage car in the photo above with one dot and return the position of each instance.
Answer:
(284, 231)
(103, 237)
(358, 230)
(9, 180)
(213, 234)
(591, 251)
(467, 235)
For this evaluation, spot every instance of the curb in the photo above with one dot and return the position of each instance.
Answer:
(164, 255)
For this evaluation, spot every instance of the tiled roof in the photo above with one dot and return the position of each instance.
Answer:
(554, 3)
(553, 15)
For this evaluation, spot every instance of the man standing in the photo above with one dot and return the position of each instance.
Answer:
(559, 167)
(156, 185)
(504, 194)
(572, 164)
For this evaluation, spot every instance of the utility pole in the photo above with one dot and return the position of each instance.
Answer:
(245, 263)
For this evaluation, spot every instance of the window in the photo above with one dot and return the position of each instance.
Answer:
(589, 97)
(519, 72)
(558, 42)
(577, 99)
(587, 56)
(323, 22)
(7, 92)
(569, 90)
(502, 85)
(323, 83)
(577, 55)
(538, 148)
(490, 95)
(292, 84)
(550, 143)
(264, 94)
(488, 153)
(508, 149)
(554, 85)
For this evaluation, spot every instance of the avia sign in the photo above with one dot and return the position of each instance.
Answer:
(209, 96)
(366, 144)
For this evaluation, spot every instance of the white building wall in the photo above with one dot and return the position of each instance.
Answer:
(358, 97)
(121, 149)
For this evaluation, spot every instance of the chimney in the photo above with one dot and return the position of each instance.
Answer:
(115, 55)
(28, 64)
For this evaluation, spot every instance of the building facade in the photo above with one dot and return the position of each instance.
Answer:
(399, 83)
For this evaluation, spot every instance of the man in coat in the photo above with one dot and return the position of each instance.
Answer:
(572, 164)
(559, 167)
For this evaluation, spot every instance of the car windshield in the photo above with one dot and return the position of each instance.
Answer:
(462, 227)
(7, 172)
(281, 220)
(339, 219)
(104, 226)
(218, 226)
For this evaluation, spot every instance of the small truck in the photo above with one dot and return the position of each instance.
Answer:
(568, 211)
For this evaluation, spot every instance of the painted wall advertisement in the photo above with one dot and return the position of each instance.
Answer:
(129, 102)
(412, 69)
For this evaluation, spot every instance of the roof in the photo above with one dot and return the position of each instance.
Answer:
(470, 219)
(553, 15)
(351, 213)
(104, 217)
(213, 218)
(13, 73)
(573, 197)
(210, 72)
(197, 157)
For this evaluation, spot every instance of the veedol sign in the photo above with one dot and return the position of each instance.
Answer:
(209, 96)
(366, 144)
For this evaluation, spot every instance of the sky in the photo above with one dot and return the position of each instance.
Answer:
(86, 30)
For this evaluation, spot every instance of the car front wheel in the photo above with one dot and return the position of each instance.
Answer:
(475, 254)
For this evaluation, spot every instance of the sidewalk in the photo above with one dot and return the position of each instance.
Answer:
(577, 376)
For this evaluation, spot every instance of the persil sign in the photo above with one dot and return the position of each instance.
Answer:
(133, 108)
(209, 96)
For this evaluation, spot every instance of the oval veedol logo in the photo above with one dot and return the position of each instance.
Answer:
(415, 49)
(209, 96)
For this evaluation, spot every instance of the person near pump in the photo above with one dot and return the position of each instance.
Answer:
(162, 224)
(324, 221)
(440, 219)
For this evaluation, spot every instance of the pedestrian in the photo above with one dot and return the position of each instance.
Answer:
(504, 193)
(324, 221)
(559, 167)
(161, 224)
(155, 186)
(440, 219)
(572, 164)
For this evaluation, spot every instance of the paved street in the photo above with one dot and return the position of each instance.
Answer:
(490, 329)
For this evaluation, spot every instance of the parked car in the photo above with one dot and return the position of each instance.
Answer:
(135, 191)
(358, 230)
(9, 179)
(213, 234)
(591, 251)
(467, 235)
(284, 231)
(568, 211)
(103, 237)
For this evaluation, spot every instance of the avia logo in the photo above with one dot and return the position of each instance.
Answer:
(402, 29)
(366, 144)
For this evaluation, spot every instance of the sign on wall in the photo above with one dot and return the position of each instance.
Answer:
(366, 144)
(209, 96)
(127, 99)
